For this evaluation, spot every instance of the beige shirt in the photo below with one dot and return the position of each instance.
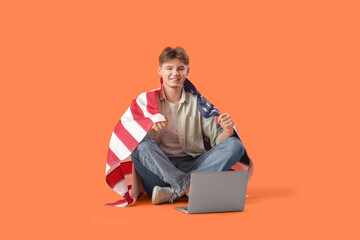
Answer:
(190, 124)
(170, 143)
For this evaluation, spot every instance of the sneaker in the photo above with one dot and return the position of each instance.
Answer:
(163, 195)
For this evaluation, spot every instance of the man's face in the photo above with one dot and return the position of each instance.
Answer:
(173, 73)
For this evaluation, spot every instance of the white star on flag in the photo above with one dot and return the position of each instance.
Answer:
(214, 110)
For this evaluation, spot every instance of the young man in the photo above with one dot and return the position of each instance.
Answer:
(174, 149)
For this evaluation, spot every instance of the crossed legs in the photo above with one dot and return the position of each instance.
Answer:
(156, 169)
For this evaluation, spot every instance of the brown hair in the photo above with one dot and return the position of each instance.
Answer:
(171, 53)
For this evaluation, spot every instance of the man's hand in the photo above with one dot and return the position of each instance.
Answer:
(159, 125)
(226, 123)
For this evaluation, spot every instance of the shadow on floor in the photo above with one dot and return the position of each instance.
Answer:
(265, 192)
(255, 193)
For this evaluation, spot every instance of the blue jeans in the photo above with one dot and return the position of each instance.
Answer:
(156, 169)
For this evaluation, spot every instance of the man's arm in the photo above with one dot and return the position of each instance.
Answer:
(218, 128)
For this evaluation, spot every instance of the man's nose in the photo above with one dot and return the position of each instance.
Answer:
(175, 72)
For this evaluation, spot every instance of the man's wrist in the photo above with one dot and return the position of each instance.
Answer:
(225, 135)
(229, 133)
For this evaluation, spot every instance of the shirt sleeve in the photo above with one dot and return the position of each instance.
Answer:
(212, 130)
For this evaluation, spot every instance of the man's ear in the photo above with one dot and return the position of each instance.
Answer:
(188, 71)
(159, 70)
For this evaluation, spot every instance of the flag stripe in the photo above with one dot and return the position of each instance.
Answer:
(107, 168)
(118, 148)
(112, 159)
(132, 127)
(126, 167)
(142, 102)
(120, 203)
(152, 105)
(125, 137)
(121, 187)
(113, 178)
(139, 116)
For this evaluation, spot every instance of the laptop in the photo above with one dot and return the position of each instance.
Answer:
(216, 192)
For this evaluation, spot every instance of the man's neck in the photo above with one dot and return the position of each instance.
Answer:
(173, 95)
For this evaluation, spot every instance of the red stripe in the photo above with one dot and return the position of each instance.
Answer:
(116, 203)
(114, 177)
(125, 137)
(152, 105)
(126, 167)
(112, 158)
(139, 116)
(127, 199)
(118, 174)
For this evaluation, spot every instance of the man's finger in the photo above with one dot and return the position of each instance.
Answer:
(225, 118)
(159, 125)
(223, 115)
(228, 121)
(219, 118)
(163, 124)
(155, 127)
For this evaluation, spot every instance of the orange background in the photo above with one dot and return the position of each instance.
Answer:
(287, 72)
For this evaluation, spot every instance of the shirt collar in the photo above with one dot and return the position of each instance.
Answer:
(184, 96)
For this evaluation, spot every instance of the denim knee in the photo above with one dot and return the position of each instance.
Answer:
(235, 146)
(144, 146)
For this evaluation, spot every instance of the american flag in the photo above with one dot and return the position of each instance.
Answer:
(129, 132)
(205, 107)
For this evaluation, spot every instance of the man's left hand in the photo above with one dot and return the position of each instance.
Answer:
(226, 123)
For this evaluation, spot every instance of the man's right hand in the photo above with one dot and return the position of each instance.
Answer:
(159, 125)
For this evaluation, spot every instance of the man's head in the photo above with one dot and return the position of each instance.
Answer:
(173, 66)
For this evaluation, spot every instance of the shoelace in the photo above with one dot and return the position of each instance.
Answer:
(172, 196)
